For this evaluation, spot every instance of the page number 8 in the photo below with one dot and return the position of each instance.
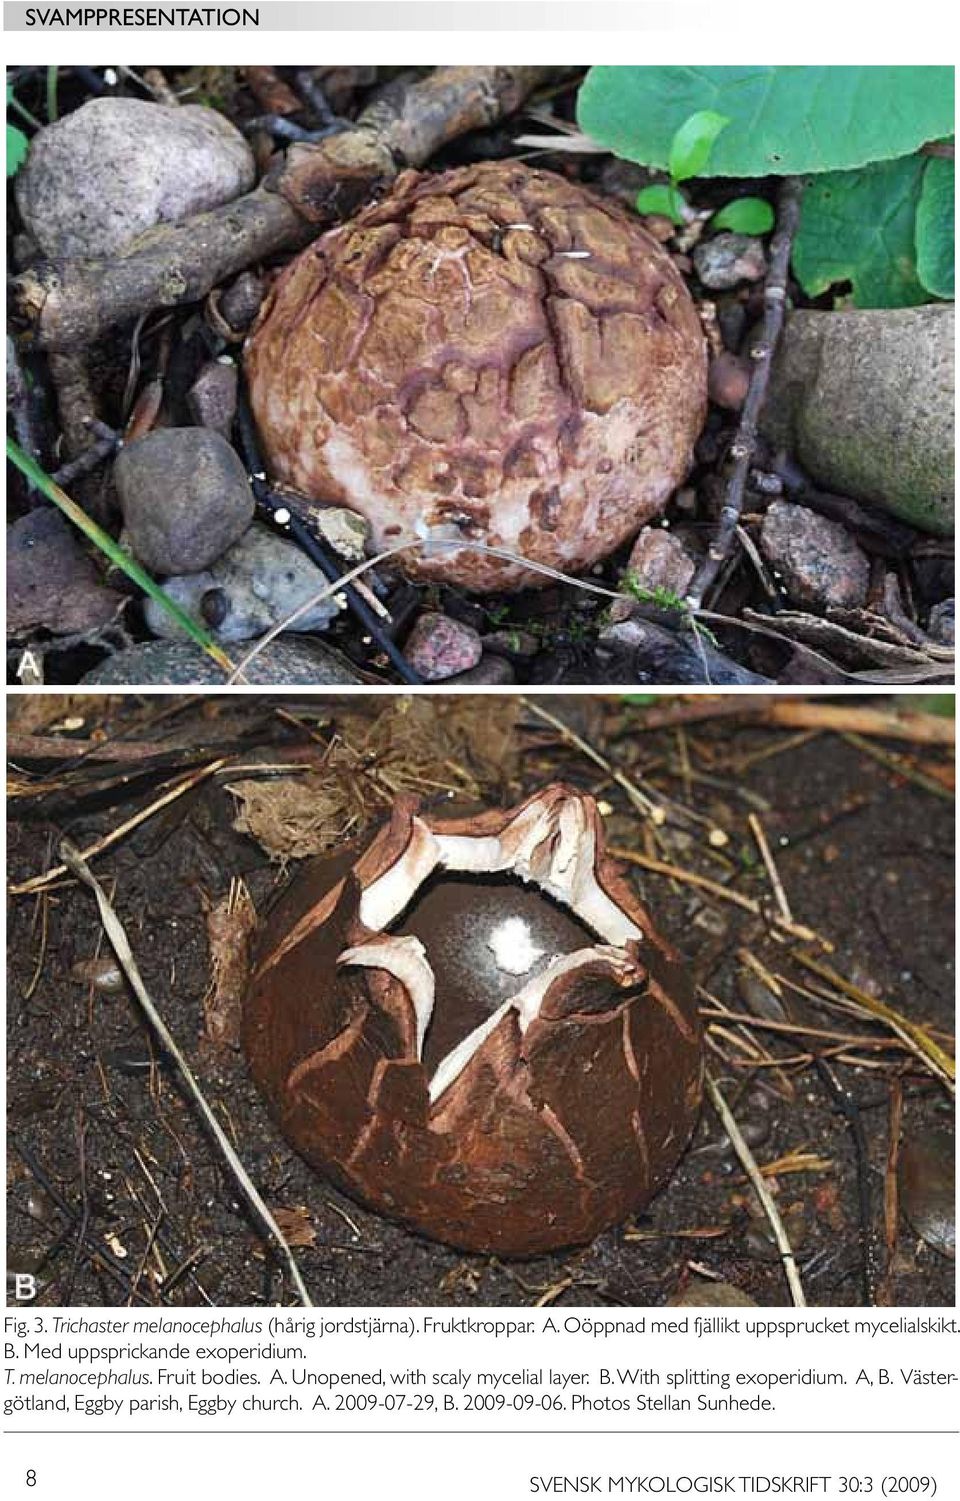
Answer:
(31, 1477)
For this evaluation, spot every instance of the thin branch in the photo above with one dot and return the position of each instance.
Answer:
(744, 445)
(757, 830)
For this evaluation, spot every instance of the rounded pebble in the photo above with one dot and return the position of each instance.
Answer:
(927, 1191)
(726, 260)
(439, 647)
(116, 167)
(258, 582)
(821, 564)
(185, 498)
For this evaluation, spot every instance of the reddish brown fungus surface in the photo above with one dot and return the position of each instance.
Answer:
(508, 1065)
(490, 355)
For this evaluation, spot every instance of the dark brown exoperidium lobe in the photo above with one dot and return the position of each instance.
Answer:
(472, 1026)
(491, 354)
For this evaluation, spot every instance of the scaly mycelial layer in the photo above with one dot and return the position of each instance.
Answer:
(492, 355)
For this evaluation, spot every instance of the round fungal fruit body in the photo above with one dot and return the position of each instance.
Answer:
(473, 1027)
(491, 355)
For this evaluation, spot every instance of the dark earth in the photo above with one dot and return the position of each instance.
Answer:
(117, 1194)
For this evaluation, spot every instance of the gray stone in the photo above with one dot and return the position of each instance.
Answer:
(187, 590)
(512, 642)
(52, 584)
(240, 303)
(818, 561)
(257, 583)
(864, 400)
(490, 671)
(726, 260)
(102, 175)
(439, 647)
(295, 661)
(941, 625)
(660, 562)
(185, 498)
(212, 398)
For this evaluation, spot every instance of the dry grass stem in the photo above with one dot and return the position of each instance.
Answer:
(756, 829)
(749, 1165)
(108, 840)
(723, 893)
(638, 798)
(901, 767)
(917, 1038)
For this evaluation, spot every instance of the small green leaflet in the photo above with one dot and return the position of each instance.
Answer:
(17, 143)
(17, 148)
(662, 198)
(745, 216)
(691, 146)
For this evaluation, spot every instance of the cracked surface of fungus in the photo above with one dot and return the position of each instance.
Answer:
(491, 355)
(473, 1027)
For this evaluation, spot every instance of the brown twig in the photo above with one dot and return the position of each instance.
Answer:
(900, 723)
(762, 352)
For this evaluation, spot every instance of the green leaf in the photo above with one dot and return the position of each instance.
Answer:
(113, 551)
(662, 198)
(17, 148)
(691, 146)
(745, 216)
(782, 119)
(934, 228)
(859, 227)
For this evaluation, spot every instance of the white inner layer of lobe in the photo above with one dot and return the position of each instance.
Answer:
(551, 846)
